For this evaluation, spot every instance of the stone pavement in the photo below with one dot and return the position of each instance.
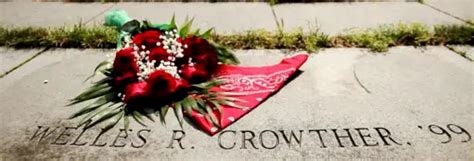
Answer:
(394, 97)
(405, 104)
(332, 18)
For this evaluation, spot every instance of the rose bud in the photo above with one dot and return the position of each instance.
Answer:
(196, 45)
(158, 54)
(125, 69)
(125, 62)
(161, 83)
(136, 94)
(148, 38)
(194, 73)
(200, 45)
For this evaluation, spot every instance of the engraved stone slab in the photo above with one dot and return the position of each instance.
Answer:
(409, 103)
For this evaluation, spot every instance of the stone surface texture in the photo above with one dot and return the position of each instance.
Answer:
(405, 88)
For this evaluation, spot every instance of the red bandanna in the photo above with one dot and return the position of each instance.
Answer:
(251, 84)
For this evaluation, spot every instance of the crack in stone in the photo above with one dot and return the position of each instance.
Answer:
(358, 81)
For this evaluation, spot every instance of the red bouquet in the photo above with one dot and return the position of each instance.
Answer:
(157, 67)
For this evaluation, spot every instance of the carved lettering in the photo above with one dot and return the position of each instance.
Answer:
(290, 139)
(60, 136)
(44, 134)
(246, 139)
(219, 140)
(318, 131)
(385, 134)
(364, 136)
(178, 139)
(277, 139)
(141, 137)
(339, 137)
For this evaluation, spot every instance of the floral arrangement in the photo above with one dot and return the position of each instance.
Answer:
(157, 68)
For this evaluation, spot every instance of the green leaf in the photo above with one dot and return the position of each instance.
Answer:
(194, 105)
(103, 115)
(126, 121)
(163, 111)
(217, 106)
(91, 90)
(100, 65)
(184, 30)
(91, 94)
(209, 84)
(197, 32)
(224, 54)
(102, 109)
(103, 81)
(98, 103)
(186, 106)
(110, 117)
(107, 72)
(208, 119)
(213, 117)
(149, 116)
(137, 116)
(173, 22)
(178, 113)
(113, 121)
(233, 99)
(231, 104)
(200, 102)
(207, 34)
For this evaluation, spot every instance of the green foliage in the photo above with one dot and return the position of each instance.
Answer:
(67, 37)
(454, 34)
(377, 39)
(261, 39)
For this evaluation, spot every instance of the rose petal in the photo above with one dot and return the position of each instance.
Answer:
(136, 94)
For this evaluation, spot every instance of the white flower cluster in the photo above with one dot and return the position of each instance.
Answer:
(173, 48)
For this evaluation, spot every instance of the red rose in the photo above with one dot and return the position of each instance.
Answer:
(148, 38)
(201, 52)
(208, 59)
(125, 61)
(161, 83)
(196, 73)
(196, 45)
(181, 89)
(123, 80)
(125, 68)
(158, 54)
(136, 94)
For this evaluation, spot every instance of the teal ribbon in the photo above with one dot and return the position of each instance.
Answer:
(120, 20)
(125, 25)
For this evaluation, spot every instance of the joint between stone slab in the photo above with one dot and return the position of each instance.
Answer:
(448, 14)
(459, 52)
(100, 13)
(23, 62)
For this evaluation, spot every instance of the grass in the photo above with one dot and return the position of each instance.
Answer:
(377, 39)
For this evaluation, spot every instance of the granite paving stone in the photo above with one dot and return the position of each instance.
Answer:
(403, 92)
